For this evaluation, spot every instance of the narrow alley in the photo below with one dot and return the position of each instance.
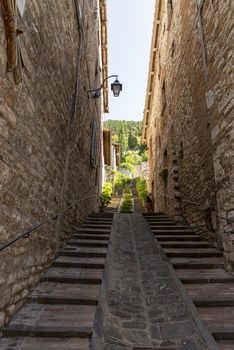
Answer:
(116, 175)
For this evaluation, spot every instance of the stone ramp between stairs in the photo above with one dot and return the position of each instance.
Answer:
(143, 305)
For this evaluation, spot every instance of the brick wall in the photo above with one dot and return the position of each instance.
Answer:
(192, 83)
(45, 127)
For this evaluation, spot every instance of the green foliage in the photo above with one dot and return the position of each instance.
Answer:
(141, 188)
(126, 206)
(121, 180)
(115, 138)
(123, 140)
(133, 140)
(127, 166)
(106, 195)
(128, 134)
(127, 190)
(133, 158)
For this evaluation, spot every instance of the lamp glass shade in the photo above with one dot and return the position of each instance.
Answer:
(116, 87)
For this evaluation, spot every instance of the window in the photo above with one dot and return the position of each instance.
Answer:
(169, 13)
(181, 151)
(93, 145)
(163, 98)
(172, 48)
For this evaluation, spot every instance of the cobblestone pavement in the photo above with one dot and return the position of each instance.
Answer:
(141, 305)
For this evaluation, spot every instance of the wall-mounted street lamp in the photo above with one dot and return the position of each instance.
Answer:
(116, 87)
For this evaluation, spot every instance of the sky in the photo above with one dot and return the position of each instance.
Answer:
(130, 24)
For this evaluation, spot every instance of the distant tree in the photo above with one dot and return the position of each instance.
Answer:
(133, 157)
(129, 135)
(123, 140)
(132, 141)
(115, 138)
(128, 166)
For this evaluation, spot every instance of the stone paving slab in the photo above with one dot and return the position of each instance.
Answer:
(141, 305)
(43, 344)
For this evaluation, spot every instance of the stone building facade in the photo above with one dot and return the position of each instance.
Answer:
(188, 117)
(50, 154)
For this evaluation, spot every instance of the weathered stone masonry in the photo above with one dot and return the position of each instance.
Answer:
(188, 120)
(45, 125)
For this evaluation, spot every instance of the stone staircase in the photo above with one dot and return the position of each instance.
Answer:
(200, 268)
(60, 311)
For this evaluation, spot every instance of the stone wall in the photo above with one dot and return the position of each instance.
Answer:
(46, 124)
(189, 85)
(218, 36)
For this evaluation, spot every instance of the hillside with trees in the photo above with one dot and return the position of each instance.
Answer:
(128, 134)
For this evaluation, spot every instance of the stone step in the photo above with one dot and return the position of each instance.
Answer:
(225, 345)
(196, 252)
(40, 331)
(213, 302)
(191, 238)
(154, 215)
(82, 253)
(52, 321)
(96, 226)
(83, 250)
(203, 273)
(204, 276)
(102, 216)
(197, 263)
(79, 262)
(161, 222)
(33, 343)
(99, 220)
(54, 293)
(87, 243)
(91, 236)
(169, 227)
(73, 275)
(184, 244)
(223, 333)
(92, 231)
(220, 321)
(171, 232)
(211, 292)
